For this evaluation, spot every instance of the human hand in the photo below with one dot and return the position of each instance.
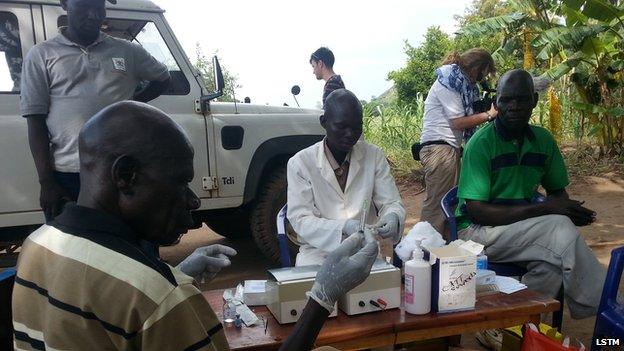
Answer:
(205, 262)
(344, 268)
(492, 113)
(52, 198)
(351, 226)
(580, 216)
(388, 227)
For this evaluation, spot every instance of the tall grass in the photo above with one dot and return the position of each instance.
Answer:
(395, 128)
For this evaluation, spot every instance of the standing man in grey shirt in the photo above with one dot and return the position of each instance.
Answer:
(65, 81)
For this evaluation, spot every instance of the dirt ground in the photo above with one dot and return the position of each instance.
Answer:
(603, 194)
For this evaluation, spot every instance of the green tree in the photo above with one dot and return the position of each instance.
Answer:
(204, 66)
(419, 73)
(577, 41)
(504, 55)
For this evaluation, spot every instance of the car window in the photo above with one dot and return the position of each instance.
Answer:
(146, 34)
(10, 54)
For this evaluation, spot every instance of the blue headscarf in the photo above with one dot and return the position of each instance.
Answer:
(454, 79)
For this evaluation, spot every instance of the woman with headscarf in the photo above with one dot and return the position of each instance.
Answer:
(449, 119)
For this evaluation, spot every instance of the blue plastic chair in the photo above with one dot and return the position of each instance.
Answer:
(282, 239)
(7, 278)
(610, 316)
(448, 204)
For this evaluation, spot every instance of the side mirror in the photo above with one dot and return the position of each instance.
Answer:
(219, 85)
(295, 90)
(218, 74)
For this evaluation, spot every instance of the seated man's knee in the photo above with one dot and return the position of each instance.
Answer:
(563, 230)
(561, 221)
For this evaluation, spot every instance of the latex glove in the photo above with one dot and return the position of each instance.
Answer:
(369, 235)
(344, 268)
(205, 262)
(388, 227)
(351, 226)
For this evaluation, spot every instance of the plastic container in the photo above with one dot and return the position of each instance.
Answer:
(482, 261)
(417, 297)
(229, 312)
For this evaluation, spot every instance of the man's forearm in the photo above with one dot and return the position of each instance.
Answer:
(152, 91)
(39, 141)
(484, 213)
(307, 328)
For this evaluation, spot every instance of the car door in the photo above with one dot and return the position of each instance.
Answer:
(19, 202)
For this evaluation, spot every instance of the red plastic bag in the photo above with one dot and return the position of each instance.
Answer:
(536, 341)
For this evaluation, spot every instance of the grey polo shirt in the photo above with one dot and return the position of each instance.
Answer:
(69, 84)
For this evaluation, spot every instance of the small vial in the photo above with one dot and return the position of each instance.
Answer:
(229, 312)
(482, 261)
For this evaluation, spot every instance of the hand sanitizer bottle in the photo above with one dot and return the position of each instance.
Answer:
(417, 283)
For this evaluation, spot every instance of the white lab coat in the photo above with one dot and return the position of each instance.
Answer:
(318, 208)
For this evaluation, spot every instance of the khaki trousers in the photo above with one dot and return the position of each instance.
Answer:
(553, 252)
(440, 164)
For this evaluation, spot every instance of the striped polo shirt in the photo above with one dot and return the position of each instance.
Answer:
(86, 282)
(498, 168)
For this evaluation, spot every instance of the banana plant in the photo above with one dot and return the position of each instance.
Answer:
(580, 39)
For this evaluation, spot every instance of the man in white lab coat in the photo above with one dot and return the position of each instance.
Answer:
(330, 181)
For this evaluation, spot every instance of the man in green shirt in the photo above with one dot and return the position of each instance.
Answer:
(503, 165)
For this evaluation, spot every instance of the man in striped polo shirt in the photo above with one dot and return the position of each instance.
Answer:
(92, 279)
(503, 165)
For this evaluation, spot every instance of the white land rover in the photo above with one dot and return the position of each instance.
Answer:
(241, 150)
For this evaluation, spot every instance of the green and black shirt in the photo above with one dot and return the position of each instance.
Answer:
(497, 168)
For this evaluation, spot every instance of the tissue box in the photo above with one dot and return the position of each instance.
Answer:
(254, 293)
(454, 277)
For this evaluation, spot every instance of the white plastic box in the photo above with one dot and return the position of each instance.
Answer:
(383, 283)
(286, 292)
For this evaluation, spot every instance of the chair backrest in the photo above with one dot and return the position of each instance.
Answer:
(282, 239)
(448, 203)
(7, 278)
(610, 310)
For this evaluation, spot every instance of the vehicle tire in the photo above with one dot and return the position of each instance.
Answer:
(232, 223)
(271, 198)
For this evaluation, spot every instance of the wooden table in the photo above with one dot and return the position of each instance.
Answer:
(493, 310)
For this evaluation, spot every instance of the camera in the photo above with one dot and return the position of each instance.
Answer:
(484, 104)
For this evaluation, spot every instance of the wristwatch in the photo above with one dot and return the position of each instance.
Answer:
(489, 116)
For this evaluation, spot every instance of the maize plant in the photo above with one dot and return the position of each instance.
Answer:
(554, 118)
(529, 59)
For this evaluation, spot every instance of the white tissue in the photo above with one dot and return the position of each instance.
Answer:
(422, 231)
